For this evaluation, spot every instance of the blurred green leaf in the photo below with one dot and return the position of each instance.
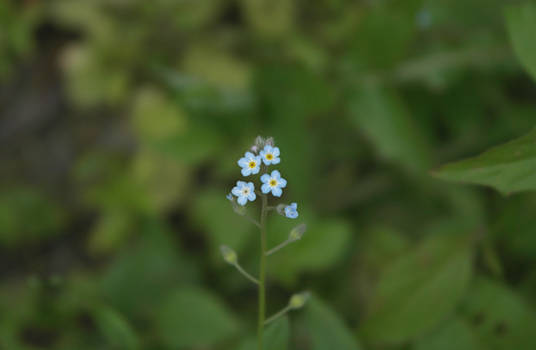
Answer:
(194, 317)
(213, 213)
(140, 276)
(521, 23)
(116, 329)
(419, 289)
(27, 215)
(269, 17)
(325, 328)
(386, 121)
(508, 167)
(276, 337)
(455, 334)
(322, 246)
(502, 320)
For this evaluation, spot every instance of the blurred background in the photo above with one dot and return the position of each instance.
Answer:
(120, 126)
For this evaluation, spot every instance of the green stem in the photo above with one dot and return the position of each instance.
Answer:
(276, 248)
(247, 275)
(277, 315)
(262, 272)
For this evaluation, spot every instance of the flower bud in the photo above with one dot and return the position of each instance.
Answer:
(269, 141)
(228, 254)
(298, 300)
(259, 142)
(297, 232)
(281, 209)
(239, 209)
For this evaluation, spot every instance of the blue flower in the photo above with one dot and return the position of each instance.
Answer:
(273, 182)
(270, 155)
(291, 211)
(250, 164)
(244, 192)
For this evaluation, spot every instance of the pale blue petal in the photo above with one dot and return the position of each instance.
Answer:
(282, 182)
(252, 196)
(246, 171)
(265, 178)
(255, 170)
(249, 155)
(275, 151)
(276, 191)
(276, 174)
(242, 200)
(276, 161)
(294, 205)
(251, 186)
(265, 188)
(236, 191)
(242, 162)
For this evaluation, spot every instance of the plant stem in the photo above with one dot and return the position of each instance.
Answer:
(262, 272)
(247, 275)
(278, 314)
(276, 248)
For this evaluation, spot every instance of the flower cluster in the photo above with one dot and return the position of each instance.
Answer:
(262, 154)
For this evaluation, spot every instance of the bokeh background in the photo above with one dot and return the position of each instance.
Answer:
(120, 126)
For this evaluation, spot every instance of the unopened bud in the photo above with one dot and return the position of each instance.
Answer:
(298, 300)
(228, 254)
(297, 232)
(239, 209)
(269, 141)
(281, 209)
(259, 142)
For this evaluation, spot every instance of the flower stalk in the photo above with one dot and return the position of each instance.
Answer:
(262, 154)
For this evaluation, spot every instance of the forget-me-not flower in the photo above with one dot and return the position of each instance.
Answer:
(270, 155)
(291, 211)
(244, 191)
(273, 182)
(250, 164)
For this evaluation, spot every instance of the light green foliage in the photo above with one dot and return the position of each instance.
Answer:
(387, 123)
(276, 337)
(322, 246)
(521, 23)
(27, 214)
(193, 317)
(419, 289)
(454, 334)
(325, 329)
(116, 330)
(508, 168)
(501, 319)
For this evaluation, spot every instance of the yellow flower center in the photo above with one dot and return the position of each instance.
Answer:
(252, 164)
(273, 182)
(269, 156)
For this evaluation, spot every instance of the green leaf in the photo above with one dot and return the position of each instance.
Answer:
(508, 168)
(153, 257)
(419, 289)
(322, 246)
(213, 214)
(502, 319)
(193, 317)
(455, 334)
(116, 329)
(385, 120)
(326, 329)
(521, 23)
(276, 337)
